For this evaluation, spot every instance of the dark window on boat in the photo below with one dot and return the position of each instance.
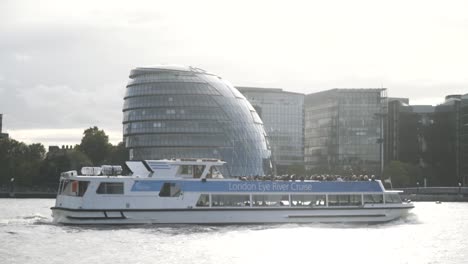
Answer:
(186, 169)
(198, 170)
(82, 187)
(64, 185)
(230, 200)
(308, 200)
(110, 188)
(74, 188)
(392, 198)
(344, 200)
(270, 200)
(203, 201)
(170, 189)
(373, 198)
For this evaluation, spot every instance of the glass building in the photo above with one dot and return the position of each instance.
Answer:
(185, 112)
(2, 135)
(283, 116)
(408, 132)
(343, 130)
(447, 131)
(464, 139)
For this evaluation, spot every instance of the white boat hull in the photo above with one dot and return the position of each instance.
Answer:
(229, 216)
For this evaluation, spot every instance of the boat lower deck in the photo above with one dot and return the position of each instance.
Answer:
(229, 215)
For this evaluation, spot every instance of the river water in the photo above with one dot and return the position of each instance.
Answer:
(432, 233)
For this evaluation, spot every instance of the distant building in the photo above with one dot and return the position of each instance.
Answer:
(463, 147)
(434, 138)
(56, 151)
(409, 137)
(447, 143)
(344, 129)
(2, 135)
(282, 114)
(399, 99)
(408, 131)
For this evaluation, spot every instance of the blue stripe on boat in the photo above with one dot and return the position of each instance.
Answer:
(260, 186)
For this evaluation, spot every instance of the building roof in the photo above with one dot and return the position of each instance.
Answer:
(166, 68)
(265, 90)
(423, 109)
(356, 90)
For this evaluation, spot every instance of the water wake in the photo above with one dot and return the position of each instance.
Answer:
(36, 219)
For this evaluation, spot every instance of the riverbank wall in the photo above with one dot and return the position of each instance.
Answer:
(28, 194)
(433, 194)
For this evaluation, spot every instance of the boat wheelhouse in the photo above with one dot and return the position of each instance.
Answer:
(193, 191)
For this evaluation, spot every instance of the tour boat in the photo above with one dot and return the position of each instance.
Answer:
(193, 191)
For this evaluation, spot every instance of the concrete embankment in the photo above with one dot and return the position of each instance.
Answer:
(433, 198)
(432, 194)
(28, 195)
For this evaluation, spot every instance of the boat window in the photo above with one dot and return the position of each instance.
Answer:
(392, 198)
(186, 169)
(203, 201)
(82, 187)
(230, 200)
(64, 184)
(74, 188)
(308, 200)
(198, 170)
(110, 188)
(344, 200)
(214, 173)
(170, 189)
(373, 198)
(270, 200)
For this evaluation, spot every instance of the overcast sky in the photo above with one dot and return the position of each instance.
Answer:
(64, 64)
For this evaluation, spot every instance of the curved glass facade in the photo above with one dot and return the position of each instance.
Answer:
(184, 112)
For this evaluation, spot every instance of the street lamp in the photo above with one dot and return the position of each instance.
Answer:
(417, 184)
(12, 187)
(459, 187)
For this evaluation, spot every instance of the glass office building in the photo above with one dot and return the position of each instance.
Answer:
(343, 129)
(185, 112)
(464, 139)
(283, 115)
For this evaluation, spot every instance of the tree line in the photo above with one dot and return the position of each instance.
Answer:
(30, 165)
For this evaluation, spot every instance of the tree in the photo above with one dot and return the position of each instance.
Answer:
(20, 161)
(118, 154)
(60, 161)
(95, 144)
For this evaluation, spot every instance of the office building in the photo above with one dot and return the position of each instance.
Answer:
(282, 114)
(463, 147)
(344, 130)
(409, 132)
(447, 143)
(2, 135)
